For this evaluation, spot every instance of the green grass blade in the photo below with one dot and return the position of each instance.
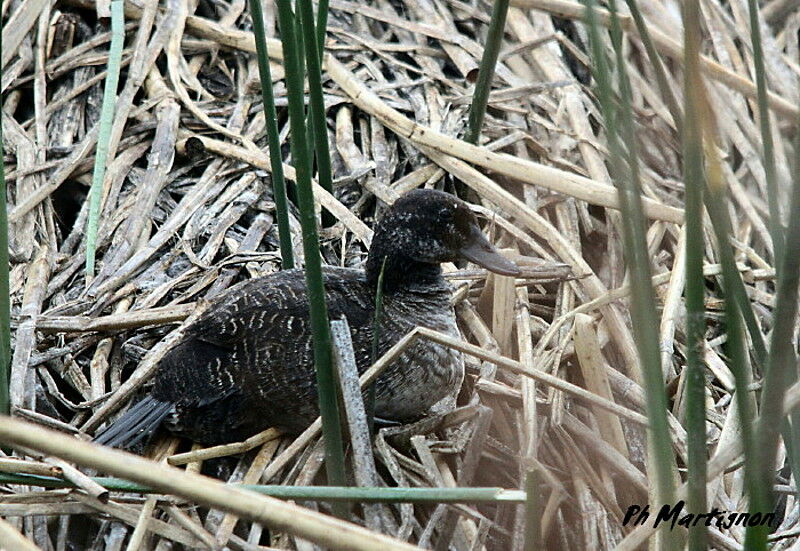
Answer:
(328, 393)
(376, 322)
(737, 354)
(656, 64)
(483, 86)
(273, 137)
(106, 122)
(369, 401)
(735, 286)
(717, 205)
(781, 246)
(624, 166)
(697, 463)
(775, 227)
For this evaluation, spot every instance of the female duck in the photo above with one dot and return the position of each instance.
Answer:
(247, 363)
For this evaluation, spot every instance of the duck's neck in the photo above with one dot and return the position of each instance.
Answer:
(400, 272)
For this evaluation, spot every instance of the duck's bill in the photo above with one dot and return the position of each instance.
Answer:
(483, 253)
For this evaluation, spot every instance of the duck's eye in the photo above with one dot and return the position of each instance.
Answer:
(463, 220)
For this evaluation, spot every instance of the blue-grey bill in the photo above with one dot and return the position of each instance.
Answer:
(483, 253)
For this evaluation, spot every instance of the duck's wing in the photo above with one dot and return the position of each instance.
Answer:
(275, 308)
(252, 306)
(250, 354)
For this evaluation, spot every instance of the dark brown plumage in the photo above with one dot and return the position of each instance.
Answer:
(247, 362)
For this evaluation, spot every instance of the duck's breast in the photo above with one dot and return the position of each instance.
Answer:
(426, 372)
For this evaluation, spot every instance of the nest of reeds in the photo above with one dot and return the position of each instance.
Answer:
(553, 402)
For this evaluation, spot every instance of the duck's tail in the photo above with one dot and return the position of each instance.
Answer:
(136, 424)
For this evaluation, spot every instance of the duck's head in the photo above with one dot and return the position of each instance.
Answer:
(421, 230)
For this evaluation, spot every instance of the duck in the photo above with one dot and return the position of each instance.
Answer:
(247, 364)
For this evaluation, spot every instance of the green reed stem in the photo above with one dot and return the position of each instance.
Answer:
(301, 52)
(106, 122)
(533, 512)
(319, 127)
(321, 30)
(273, 137)
(624, 167)
(323, 358)
(692, 137)
(483, 86)
(322, 26)
(781, 366)
(308, 493)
